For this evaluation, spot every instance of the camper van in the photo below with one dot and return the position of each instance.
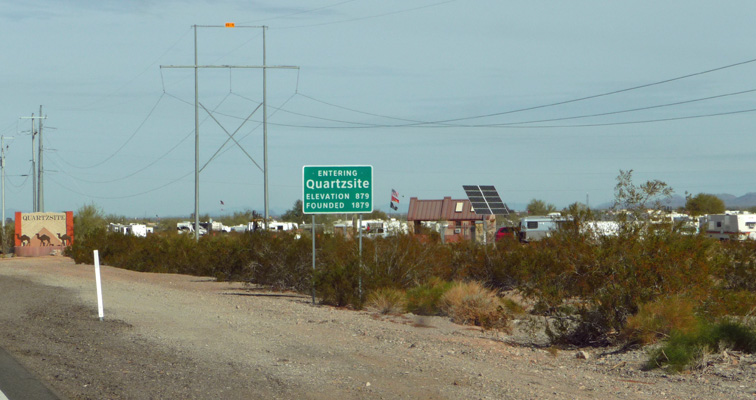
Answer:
(537, 227)
(735, 226)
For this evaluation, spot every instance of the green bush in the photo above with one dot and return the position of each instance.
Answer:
(337, 285)
(589, 286)
(605, 279)
(683, 349)
(8, 239)
(425, 299)
(658, 319)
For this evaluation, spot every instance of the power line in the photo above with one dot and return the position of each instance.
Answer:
(357, 111)
(648, 121)
(128, 196)
(133, 134)
(623, 111)
(130, 81)
(595, 96)
(188, 135)
(316, 117)
(255, 128)
(300, 12)
(509, 124)
(370, 16)
(445, 123)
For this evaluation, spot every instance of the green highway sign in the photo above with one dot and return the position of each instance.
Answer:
(337, 189)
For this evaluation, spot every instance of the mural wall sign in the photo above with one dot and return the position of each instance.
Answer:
(39, 234)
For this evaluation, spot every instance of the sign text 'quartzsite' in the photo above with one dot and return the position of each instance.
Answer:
(337, 189)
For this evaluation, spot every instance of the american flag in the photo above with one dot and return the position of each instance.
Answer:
(394, 196)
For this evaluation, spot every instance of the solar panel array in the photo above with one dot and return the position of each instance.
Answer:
(485, 200)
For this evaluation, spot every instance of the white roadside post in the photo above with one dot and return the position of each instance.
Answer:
(100, 311)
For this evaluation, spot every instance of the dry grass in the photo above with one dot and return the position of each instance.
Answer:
(473, 304)
(658, 319)
(387, 301)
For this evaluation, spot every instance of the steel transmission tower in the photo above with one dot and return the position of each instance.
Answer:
(197, 105)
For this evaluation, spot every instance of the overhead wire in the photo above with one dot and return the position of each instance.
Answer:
(126, 196)
(147, 68)
(520, 124)
(343, 21)
(133, 134)
(316, 117)
(155, 161)
(625, 111)
(648, 121)
(300, 12)
(595, 96)
(26, 178)
(446, 123)
(442, 123)
(276, 109)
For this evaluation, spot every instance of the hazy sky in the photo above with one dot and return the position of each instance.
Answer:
(433, 94)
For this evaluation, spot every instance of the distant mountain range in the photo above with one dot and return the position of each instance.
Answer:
(731, 201)
(744, 201)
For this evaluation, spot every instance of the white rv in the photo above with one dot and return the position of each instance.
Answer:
(188, 227)
(140, 230)
(537, 227)
(282, 226)
(735, 226)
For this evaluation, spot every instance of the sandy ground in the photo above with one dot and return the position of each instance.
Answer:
(181, 337)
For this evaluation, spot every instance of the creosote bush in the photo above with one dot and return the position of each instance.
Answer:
(644, 283)
(682, 350)
(470, 303)
(425, 299)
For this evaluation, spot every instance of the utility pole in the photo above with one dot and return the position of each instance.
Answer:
(196, 67)
(35, 202)
(265, 133)
(40, 181)
(2, 166)
(34, 167)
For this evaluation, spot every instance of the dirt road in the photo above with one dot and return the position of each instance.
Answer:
(181, 337)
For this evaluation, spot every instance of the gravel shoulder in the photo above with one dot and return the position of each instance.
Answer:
(170, 336)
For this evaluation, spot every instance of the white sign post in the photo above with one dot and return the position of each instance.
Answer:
(100, 311)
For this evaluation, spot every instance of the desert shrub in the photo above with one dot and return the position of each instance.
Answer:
(8, 237)
(683, 349)
(89, 220)
(387, 300)
(605, 279)
(739, 265)
(425, 299)
(402, 261)
(512, 306)
(658, 319)
(471, 303)
(279, 260)
(336, 285)
(589, 286)
(338, 272)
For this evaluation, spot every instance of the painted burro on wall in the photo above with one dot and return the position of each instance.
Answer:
(43, 233)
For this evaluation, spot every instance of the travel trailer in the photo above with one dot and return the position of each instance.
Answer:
(537, 227)
(729, 226)
(140, 230)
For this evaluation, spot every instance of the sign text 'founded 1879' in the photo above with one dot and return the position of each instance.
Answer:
(337, 189)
